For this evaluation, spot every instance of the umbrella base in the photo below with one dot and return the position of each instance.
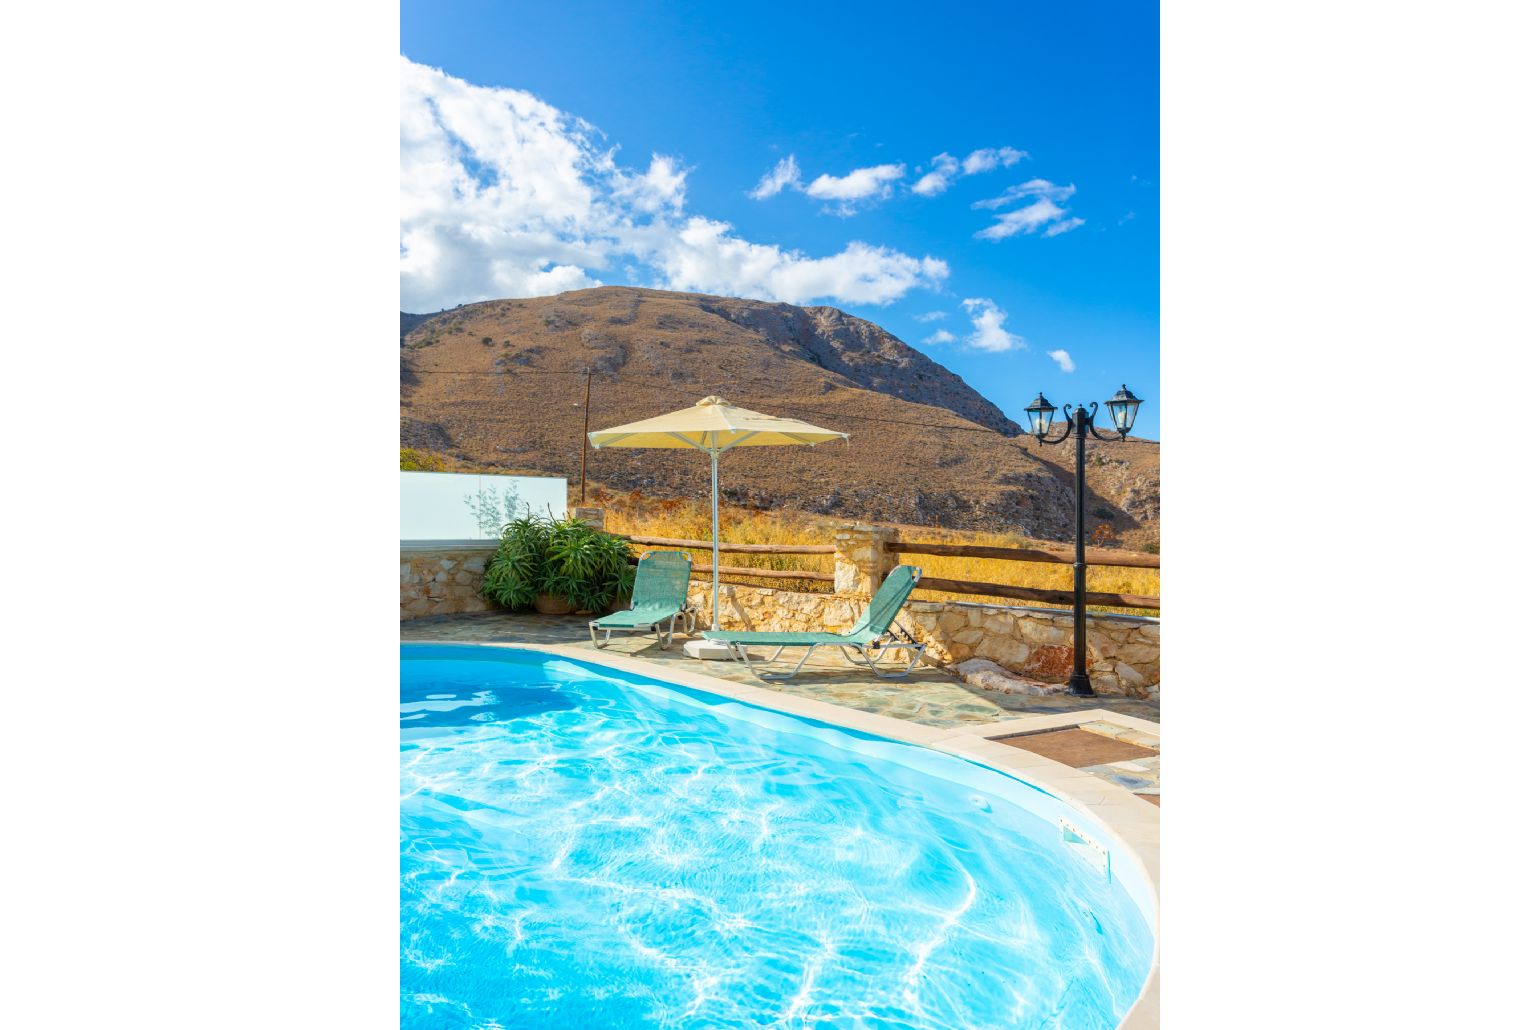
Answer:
(708, 650)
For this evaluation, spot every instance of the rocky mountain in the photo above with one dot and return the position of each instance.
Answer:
(500, 385)
(863, 353)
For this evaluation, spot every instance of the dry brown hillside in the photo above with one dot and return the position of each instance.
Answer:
(499, 384)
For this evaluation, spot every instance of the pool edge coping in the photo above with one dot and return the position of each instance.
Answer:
(1133, 822)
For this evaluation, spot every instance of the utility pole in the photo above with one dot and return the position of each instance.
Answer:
(588, 385)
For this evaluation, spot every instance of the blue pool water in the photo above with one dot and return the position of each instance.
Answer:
(589, 849)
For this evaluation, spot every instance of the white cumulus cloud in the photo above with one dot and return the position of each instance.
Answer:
(942, 168)
(1063, 360)
(784, 174)
(989, 331)
(1027, 219)
(1023, 190)
(662, 187)
(504, 195)
(1043, 211)
(707, 259)
(940, 336)
(845, 194)
(930, 316)
(990, 158)
(864, 184)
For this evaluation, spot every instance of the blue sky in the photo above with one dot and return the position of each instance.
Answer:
(641, 131)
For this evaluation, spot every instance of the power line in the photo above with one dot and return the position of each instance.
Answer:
(693, 392)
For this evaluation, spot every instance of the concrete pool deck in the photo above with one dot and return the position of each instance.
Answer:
(1132, 825)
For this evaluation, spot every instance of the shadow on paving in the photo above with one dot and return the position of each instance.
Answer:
(929, 695)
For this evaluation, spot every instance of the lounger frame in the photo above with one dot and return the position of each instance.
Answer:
(662, 580)
(866, 655)
(665, 637)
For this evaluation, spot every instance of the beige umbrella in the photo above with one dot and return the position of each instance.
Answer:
(713, 426)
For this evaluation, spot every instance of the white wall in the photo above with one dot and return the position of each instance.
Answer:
(445, 505)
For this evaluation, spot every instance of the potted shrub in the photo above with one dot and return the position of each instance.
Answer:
(515, 571)
(552, 604)
(557, 566)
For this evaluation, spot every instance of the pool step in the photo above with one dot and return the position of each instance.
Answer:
(1089, 852)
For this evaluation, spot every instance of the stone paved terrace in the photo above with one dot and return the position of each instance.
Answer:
(928, 696)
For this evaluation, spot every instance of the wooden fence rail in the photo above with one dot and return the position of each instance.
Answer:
(663, 541)
(704, 572)
(1093, 555)
(1042, 596)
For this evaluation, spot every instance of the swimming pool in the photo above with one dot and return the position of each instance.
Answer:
(584, 847)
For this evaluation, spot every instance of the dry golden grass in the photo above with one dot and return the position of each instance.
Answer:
(500, 385)
(634, 515)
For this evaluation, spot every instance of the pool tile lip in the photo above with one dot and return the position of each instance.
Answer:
(1132, 822)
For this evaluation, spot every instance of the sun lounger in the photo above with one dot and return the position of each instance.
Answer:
(660, 596)
(870, 639)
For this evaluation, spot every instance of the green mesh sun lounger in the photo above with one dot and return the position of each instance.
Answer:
(869, 639)
(659, 597)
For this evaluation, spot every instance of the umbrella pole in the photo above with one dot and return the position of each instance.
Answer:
(714, 534)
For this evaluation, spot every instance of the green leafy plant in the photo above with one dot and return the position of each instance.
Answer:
(567, 558)
(515, 573)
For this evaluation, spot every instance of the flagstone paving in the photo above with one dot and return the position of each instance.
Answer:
(929, 696)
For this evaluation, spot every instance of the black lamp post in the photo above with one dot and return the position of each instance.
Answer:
(1122, 409)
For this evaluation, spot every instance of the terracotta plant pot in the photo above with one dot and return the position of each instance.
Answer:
(550, 604)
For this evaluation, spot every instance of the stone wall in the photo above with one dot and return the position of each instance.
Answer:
(1122, 651)
(441, 581)
(782, 611)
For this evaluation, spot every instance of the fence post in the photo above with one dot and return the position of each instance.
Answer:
(862, 561)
